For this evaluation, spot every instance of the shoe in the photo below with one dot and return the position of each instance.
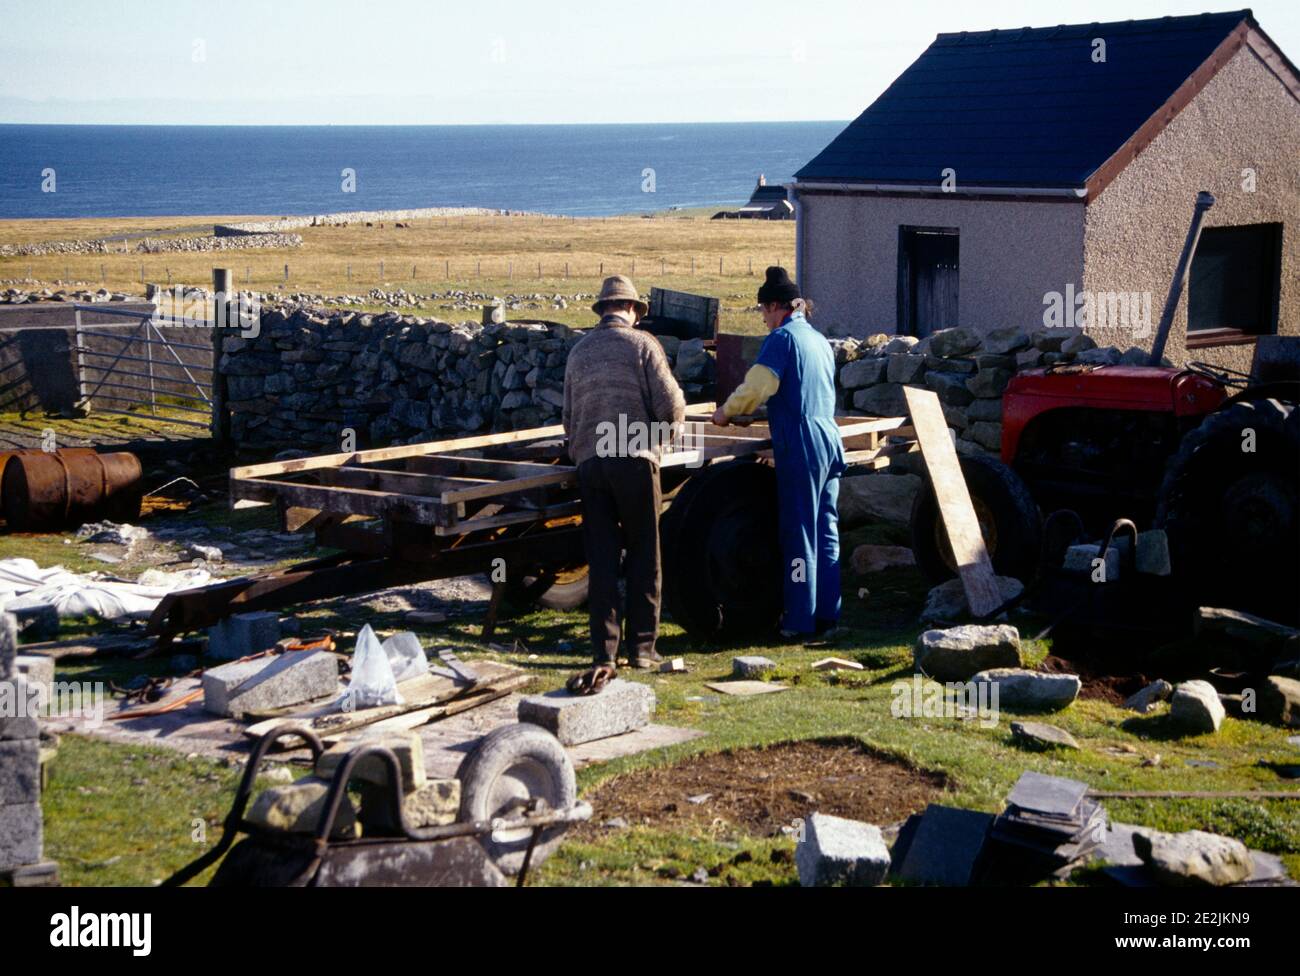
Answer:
(646, 661)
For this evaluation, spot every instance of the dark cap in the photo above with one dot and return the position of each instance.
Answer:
(778, 287)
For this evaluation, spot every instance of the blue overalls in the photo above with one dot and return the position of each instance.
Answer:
(809, 461)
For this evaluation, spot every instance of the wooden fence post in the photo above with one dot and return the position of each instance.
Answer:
(221, 288)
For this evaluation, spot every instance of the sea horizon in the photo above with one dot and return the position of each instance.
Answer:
(108, 170)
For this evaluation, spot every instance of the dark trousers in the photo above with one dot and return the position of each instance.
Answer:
(620, 513)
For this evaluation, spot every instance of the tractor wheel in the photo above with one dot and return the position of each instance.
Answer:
(552, 589)
(1008, 518)
(508, 767)
(1230, 511)
(722, 554)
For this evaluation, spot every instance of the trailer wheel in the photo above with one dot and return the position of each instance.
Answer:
(552, 589)
(1230, 504)
(721, 553)
(1008, 518)
(507, 767)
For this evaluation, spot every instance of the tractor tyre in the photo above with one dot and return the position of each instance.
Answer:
(1008, 517)
(721, 553)
(1229, 504)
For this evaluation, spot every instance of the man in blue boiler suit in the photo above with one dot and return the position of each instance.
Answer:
(795, 376)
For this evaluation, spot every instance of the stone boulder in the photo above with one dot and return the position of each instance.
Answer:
(1006, 340)
(946, 603)
(1193, 858)
(878, 497)
(954, 342)
(958, 653)
(1195, 707)
(863, 372)
(873, 559)
(1019, 688)
(1279, 700)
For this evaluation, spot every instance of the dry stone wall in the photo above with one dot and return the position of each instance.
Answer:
(310, 376)
(966, 369)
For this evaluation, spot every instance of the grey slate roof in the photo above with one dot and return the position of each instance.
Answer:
(1025, 107)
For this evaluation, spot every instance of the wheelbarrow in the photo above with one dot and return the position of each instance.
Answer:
(518, 796)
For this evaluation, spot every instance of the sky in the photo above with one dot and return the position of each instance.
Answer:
(338, 62)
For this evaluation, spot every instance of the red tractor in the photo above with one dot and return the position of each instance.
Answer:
(1207, 454)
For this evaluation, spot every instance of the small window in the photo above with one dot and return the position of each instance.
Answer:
(1232, 294)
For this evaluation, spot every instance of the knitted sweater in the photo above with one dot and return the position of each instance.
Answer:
(619, 394)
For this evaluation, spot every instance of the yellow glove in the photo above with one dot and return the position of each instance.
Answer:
(759, 385)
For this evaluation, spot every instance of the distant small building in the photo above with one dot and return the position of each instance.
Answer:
(766, 203)
(1009, 170)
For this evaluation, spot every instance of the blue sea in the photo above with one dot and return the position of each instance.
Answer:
(584, 170)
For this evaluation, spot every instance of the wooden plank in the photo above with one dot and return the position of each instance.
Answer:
(973, 564)
(347, 501)
(394, 453)
(499, 469)
(461, 526)
(563, 476)
(400, 482)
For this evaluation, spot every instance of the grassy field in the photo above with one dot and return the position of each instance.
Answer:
(495, 255)
(125, 815)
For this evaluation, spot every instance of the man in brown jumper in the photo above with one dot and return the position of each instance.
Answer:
(621, 404)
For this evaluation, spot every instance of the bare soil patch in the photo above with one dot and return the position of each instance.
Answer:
(1098, 683)
(762, 790)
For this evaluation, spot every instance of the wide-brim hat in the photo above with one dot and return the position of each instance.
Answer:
(618, 288)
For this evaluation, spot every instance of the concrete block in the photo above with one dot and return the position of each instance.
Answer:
(19, 709)
(21, 833)
(434, 804)
(751, 666)
(407, 746)
(38, 669)
(243, 634)
(1152, 554)
(20, 771)
(8, 644)
(298, 808)
(838, 852)
(1080, 558)
(286, 679)
(622, 706)
(676, 665)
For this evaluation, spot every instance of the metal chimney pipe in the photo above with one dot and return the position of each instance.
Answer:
(1204, 201)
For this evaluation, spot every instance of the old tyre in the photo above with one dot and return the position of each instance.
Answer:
(508, 766)
(552, 589)
(722, 554)
(1008, 517)
(1229, 504)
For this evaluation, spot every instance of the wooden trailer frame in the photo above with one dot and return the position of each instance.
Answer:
(437, 509)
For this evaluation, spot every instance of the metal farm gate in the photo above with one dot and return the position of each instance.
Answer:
(145, 369)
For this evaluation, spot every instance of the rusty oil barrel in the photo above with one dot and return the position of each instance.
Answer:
(64, 488)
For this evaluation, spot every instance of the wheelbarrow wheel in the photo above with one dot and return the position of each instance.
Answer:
(507, 768)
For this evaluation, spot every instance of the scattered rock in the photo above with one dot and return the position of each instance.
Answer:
(674, 665)
(946, 603)
(957, 653)
(1157, 691)
(1195, 707)
(1193, 857)
(873, 559)
(1019, 688)
(752, 666)
(1042, 735)
(1279, 700)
